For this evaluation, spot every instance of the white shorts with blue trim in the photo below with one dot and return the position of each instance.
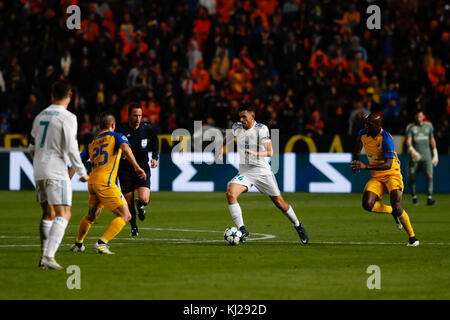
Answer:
(54, 192)
(266, 183)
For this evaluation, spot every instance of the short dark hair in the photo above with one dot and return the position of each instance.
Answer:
(61, 89)
(133, 105)
(247, 107)
(106, 119)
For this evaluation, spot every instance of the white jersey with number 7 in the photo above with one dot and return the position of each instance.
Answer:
(53, 142)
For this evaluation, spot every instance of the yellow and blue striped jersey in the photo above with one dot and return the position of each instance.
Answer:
(379, 148)
(104, 154)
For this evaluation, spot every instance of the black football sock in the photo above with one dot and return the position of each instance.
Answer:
(133, 217)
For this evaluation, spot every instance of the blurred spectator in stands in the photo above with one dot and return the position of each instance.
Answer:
(66, 63)
(318, 59)
(114, 104)
(287, 114)
(392, 115)
(115, 77)
(357, 48)
(150, 108)
(356, 119)
(374, 89)
(193, 54)
(351, 17)
(386, 99)
(220, 66)
(100, 98)
(46, 81)
(200, 77)
(89, 28)
(110, 24)
(202, 28)
(291, 52)
(336, 118)
(133, 74)
(86, 130)
(174, 75)
(435, 72)
(290, 11)
(29, 112)
(5, 126)
(315, 125)
(238, 76)
(338, 58)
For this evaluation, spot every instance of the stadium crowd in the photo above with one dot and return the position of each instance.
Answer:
(310, 67)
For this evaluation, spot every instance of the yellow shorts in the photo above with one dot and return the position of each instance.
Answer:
(378, 185)
(102, 196)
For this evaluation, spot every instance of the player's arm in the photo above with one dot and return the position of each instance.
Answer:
(31, 144)
(31, 147)
(154, 142)
(128, 153)
(415, 156)
(229, 137)
(386, 165)
(70, 138)
(356, 152)
(263, 139)
(266, 153)
(388, 156)
(435, 159)
(84, 155)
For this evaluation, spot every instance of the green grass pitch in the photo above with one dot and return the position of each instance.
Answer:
(180, 252)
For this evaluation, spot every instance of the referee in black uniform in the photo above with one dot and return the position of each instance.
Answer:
(142, 139)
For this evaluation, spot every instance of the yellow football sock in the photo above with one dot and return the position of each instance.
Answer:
(378, 207)
(404, 219)
(113, 230)
(85, 225)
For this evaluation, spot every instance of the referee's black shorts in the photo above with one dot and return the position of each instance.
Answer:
(129, 181)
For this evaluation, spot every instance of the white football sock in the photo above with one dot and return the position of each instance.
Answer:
(55, 237)
(291, 216)
(236, 214)
(44, 230)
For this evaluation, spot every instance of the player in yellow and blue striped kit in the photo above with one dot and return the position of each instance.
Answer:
(104, 153)
(385, 173)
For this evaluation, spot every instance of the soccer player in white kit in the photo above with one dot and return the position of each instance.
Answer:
(254, 145)
(54, 141)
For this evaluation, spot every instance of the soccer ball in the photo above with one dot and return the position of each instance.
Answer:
(232, 235)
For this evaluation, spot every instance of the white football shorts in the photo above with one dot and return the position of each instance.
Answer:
(54, 192)
(266, 184)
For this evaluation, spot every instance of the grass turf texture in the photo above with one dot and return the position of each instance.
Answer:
(164, 263)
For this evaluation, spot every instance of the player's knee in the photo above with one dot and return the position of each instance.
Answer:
(280, 204)
(127, 217)
(397, 210)
(144, 200)
(231, 196)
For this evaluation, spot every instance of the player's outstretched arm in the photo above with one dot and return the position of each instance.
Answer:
(128, 153)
